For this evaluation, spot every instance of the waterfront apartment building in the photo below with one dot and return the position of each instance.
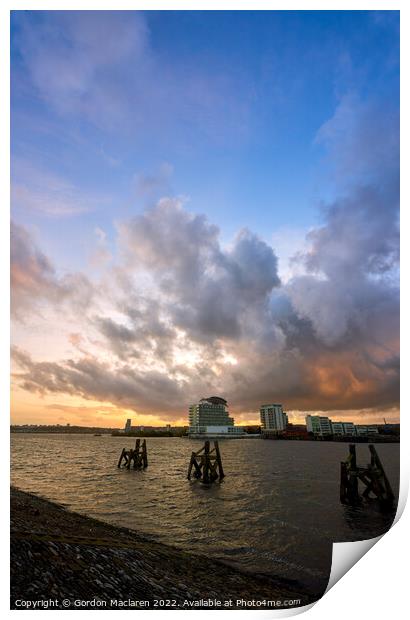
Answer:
(319, 425)
(322, 426)
(210, 417)
(273, 418)
(343, 429)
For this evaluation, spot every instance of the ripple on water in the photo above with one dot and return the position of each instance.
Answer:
(277, 514)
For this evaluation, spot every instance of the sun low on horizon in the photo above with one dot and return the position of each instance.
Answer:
(204, 204)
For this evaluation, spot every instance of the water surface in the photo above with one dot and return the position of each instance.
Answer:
(277, 511)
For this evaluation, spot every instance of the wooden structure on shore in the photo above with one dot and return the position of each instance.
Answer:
(137, 456)
(377, 487)
(207, 464)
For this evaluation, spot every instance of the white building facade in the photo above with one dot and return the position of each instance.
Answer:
(319, 425)
(273, 418)
(347, 429)
(364, 430)
(322, 426)
(210, 418)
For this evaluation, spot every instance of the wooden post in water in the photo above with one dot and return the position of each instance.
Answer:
(206, 463)
(121, 457)
(381, 483)
(138, 456)
(136, 453)
(377, 486)
(205, 469)
(353, 482)
(352, 456)
(219, 460)
(144, 455)
(343, 483)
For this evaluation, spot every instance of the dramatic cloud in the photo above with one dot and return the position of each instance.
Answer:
(179, 315)
(353, 258)
(211, 292)
(92, 379)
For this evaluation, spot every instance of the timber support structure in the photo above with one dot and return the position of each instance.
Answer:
(206, 464)
(376, 484)
(137, 456)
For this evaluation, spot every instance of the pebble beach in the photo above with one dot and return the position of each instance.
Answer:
(61, 559)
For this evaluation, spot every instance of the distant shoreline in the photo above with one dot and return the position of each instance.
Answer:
(61, 555)
(165, 435)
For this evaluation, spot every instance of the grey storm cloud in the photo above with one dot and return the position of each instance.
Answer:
(352, 263)
(212, 291)
(146, 333)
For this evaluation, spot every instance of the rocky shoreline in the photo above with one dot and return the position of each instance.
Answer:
(61, 559)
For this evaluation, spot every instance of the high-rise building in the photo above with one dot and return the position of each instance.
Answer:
(127, 428)
(273, 418)
(210, 417)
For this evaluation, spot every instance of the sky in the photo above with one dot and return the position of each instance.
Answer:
(204, 202)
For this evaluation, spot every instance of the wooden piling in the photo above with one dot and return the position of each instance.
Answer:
(205, 469)
(376, 484)
(206, 464)
(144, 454)
(352, 457)
(219, 460)
(137, 457)
(121, 457)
